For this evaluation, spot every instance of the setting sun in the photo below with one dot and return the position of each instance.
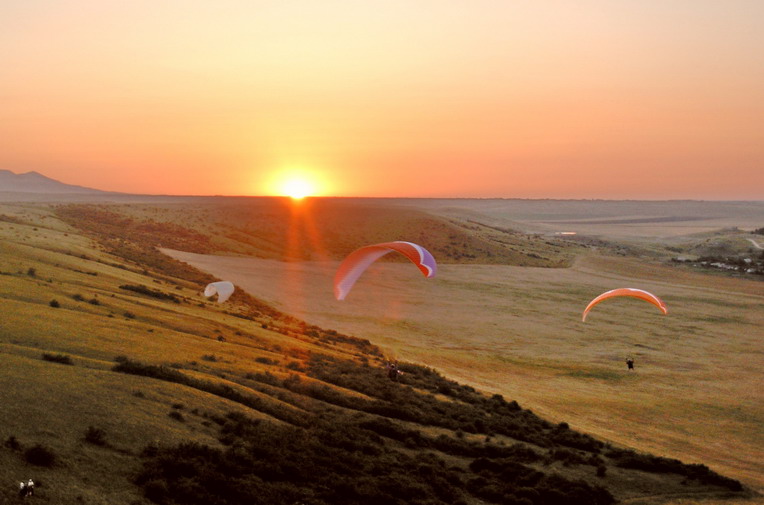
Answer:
(297, 189)
(295, 183)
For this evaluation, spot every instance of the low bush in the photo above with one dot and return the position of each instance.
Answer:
(319, 466)
(12, 443)
(40, 455)
(95, 436)
(154, 293)
(58, 358)
(626, 458)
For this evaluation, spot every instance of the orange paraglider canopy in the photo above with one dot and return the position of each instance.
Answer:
(633, 292)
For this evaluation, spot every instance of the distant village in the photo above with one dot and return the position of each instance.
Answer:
(749, 263)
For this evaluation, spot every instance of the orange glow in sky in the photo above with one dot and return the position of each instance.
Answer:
(433, 98)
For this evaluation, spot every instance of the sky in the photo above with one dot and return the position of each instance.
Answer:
(643, 99)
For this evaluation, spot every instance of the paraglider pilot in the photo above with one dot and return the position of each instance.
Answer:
(392, 371)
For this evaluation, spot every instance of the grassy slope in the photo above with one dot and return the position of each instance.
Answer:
(330, 228)
(52, 404)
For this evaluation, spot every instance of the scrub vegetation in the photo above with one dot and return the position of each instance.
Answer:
(286, 412)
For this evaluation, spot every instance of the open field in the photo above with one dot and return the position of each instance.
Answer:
(697, 390)
(607, 218)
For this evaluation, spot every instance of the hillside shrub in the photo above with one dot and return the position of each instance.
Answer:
(705, 475)
(569, 457)
(95, 436)
(40, 455)
(626, 458)
(54, 303)
(154, 293)
(12, 443)
(168, 374)
(320, 466)
(58, 358)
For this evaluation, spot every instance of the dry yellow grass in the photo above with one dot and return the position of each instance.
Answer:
(53, 404)
(697, 391)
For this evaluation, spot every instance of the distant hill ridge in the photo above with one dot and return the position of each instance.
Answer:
(35, 182)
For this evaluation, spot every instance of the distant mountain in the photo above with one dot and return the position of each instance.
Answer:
(34, 182)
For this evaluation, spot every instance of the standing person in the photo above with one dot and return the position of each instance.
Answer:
(393, 372)
(30, 488)
(22, 489)
(630, 363)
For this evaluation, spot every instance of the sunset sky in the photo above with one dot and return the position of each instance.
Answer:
(429, 98)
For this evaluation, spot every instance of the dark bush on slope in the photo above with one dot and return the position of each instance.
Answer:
(625, 458)
(470, 412)
(154, 293)
(40, 455)
(268, 464)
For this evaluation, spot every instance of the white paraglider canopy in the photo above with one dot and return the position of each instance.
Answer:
(224, 290)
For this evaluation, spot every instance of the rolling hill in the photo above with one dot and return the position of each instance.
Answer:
(35, 182)
(322, 229)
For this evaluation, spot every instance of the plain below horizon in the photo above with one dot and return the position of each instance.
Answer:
(35, 183)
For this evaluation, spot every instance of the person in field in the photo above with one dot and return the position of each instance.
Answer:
(630, 363)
